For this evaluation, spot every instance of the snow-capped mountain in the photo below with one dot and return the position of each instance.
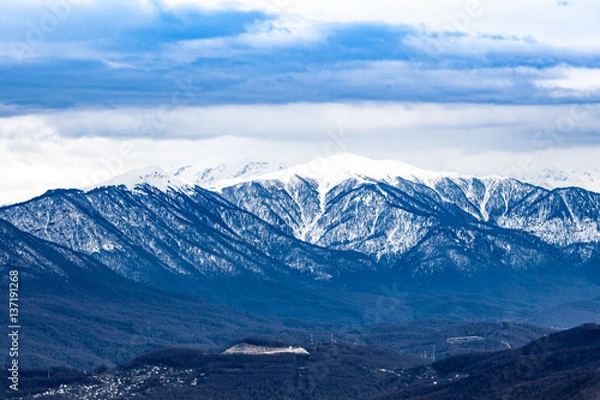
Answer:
(329, 172)
(152, 176)
(385, 208)
(330, 217)
(184, 178)
(342, 239)
(552, 178)
(145, 232)
(342, 224)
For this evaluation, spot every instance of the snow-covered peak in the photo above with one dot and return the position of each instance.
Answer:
(552, 178)
(191, 175)
(153, 176)
(208, 177)
(328, 172)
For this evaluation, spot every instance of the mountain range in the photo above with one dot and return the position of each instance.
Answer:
(329, 240)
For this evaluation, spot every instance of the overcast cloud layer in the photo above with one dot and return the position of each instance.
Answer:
(441, 84)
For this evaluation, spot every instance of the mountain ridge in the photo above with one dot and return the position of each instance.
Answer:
(330, 171)
(282, 246)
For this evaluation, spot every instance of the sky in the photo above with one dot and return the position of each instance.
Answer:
(90, 89)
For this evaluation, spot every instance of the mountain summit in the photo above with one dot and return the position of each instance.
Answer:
(327, 172)
(330, 171)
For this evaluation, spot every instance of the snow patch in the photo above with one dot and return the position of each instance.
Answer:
(244, 348)
(153, 176)
(208, 177)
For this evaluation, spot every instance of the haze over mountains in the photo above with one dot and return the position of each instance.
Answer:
(551, 178)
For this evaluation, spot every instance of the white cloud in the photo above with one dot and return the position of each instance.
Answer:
(570, 78)
(28, 169)
(572, 26)
(40, 152)
(24, 26)
(28, 127)
(491, 124)
(282, 32)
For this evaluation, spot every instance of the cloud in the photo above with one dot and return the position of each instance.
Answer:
(470, 127)
(133, 54)
(78, 148)
(344, 64)
(29, 168)
(266, 36)
(536, 19)
(569, 79)
(460, 81)
(29, 30)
